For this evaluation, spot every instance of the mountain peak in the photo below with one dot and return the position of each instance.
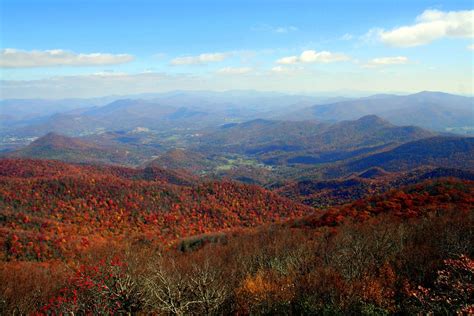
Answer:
(433, 94)
(51, 136)
(372, 119)
(55, 140)
(257, 122)
(428, 92)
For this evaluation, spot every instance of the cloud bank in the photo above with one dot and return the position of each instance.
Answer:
(234, 70)
(386, 61)
(16, 58)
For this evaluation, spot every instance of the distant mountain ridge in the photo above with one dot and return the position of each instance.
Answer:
(432, 110)
(198, 109)
(77, 117)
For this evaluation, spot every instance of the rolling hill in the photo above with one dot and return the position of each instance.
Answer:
(260, 136)
(181, 159)
(324, 193)
(307, 142)
(433, 152)
(97, 203)
(451, 152)
(55, 146)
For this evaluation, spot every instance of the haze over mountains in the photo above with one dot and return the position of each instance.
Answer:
(253, 136)
(431, 110)
(42, 116)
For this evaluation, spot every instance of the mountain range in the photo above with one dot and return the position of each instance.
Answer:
(432, 110)
(195, 110)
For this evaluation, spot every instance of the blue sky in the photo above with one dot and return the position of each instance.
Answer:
(91, 48)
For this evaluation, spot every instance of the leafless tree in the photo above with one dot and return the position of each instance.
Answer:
(174, 290)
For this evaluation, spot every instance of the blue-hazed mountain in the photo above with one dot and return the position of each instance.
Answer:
(202, 109)
(74, 117)
(433, 110)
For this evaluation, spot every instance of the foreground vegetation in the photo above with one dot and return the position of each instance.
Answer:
(407, 251)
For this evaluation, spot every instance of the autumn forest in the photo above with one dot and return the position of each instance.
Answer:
(237, 157)
(112, 239)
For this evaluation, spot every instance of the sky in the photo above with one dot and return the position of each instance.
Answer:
(64, 49)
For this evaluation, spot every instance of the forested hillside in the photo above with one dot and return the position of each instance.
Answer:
(407, 251)
(55, 210)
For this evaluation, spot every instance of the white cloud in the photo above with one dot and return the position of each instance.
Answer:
(200, 59)
(431, 25)
(287, 69)
(109, 74)
(16, 58)
(234, 70)
(470, 47)
(312, 56)
(288, 60)
(372, 36)
(386, 61)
